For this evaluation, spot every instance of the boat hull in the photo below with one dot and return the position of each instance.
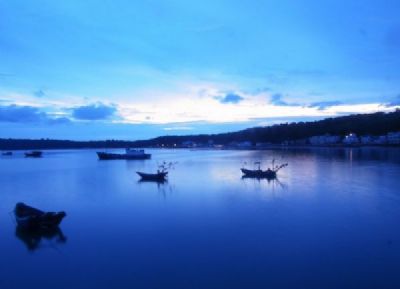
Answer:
(259, 174)
(31, 218)
(34, 154)
(153, 177)
(112, 156)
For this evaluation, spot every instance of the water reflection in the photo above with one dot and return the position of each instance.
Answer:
(163, 187)
(274, 182)
(32, 238)
(159, 182)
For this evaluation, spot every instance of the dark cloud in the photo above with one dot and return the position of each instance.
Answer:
(96, 111)
(39, 93)
(15, 113)
(27, 114)
(321, 105)
(230, 98)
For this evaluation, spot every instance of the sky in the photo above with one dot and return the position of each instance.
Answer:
(138, 69)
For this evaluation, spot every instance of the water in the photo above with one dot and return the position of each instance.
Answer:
(330, 221)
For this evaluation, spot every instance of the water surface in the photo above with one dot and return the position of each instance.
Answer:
(330, 221)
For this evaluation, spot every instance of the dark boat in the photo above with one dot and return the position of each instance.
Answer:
(258, 173)
(7, 153)
(159, 176)
(130, 154)
(33, 154)
(267, 174)
(32, 218)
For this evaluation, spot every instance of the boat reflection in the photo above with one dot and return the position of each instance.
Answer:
(156, 181)
(32, 238)
(273, 181)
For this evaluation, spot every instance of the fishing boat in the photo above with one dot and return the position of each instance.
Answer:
(33, 154)
(130, 154)
(269, 173)
(29, 217)
(7, 153)
(159, 176)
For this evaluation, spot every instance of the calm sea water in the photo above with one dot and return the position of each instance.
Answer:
(332, 220)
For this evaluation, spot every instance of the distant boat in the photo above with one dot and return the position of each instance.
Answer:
(33, 154)
(32, 218)
(159, 176)
(267, 174)
(7, 153)
(258, 173)
(130, 154)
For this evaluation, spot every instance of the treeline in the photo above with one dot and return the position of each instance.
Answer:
(362, 124)
(374, 124)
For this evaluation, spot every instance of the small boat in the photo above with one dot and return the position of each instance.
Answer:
(130, 154)
(29, 217)
(159, 176)
(33, 154)
(267, 174)
(258, 173)
(6, 153)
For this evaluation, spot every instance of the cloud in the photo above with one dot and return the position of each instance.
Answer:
(15, 113)
(321, 105)
(230, 98)
(98, 111)
(28, 114)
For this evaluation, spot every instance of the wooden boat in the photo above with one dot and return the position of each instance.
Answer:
(159, 176)
(258, 173)
(130, 154)
(7, 153)
(29, 217)
(267, 174)
(33, 154)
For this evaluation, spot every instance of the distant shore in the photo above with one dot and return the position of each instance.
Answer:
(271, 147)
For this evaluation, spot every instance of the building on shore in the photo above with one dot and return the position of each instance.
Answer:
(351, 139)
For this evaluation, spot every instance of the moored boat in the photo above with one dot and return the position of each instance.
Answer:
(130, 154)
(33, 154)
(269, 173)
(7, 153)
(159, 176)
(29, 217)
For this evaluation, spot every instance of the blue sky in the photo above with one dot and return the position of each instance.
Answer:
(138, 69)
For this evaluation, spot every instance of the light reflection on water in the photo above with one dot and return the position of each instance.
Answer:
(329, 221)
